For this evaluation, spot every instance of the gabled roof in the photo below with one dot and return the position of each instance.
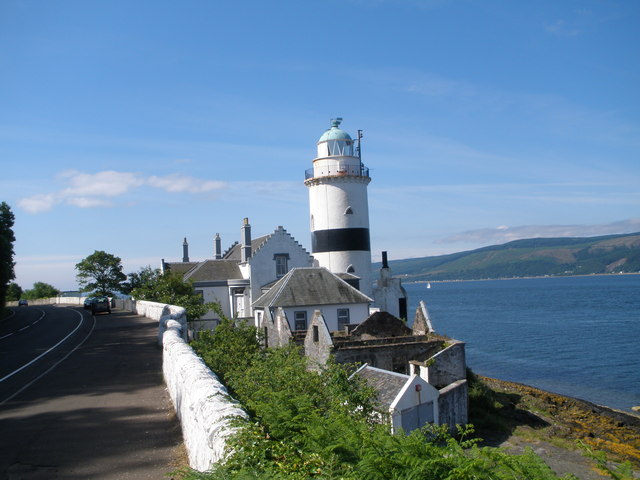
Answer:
(387, 384)
(310, 286)
(235, 252)
(214, 270)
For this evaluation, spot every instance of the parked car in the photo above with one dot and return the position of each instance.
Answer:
(23, 303)
(101, 304)
(88, 302)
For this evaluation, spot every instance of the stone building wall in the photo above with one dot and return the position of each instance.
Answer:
(453, 404)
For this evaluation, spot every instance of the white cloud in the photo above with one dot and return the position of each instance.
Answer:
(89, 190)
(88, 202)
(176, 183)
(504, 234)
(102, 184)
(38, 203)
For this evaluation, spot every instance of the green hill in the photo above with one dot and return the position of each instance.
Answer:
(529, 257)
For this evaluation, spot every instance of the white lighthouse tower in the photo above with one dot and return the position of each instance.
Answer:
(339, 206)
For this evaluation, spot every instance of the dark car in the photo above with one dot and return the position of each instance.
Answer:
(101, 304)
(23, 303)
(88, 302)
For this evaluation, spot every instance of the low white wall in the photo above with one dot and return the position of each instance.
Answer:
(201, 401)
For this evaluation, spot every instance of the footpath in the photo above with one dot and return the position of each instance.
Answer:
(103, 413)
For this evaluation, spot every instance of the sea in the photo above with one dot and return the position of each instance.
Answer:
(576, 336)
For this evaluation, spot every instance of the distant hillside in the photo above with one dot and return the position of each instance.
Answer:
(529, 258)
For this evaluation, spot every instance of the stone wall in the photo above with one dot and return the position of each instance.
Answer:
(385, 353)
(202, 403)
(453, 404)
(446, 366)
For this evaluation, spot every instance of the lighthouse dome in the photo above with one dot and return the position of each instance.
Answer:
(334, 133)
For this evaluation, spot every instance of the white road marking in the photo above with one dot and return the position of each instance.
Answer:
(44, 353)
(55, 364)
(24, 328)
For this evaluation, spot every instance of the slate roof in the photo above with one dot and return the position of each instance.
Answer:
(214, 270)
(310, 286)
(235, 252)
(180, 267)
(387, 384)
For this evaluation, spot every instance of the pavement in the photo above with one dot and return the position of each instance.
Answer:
(103, 413)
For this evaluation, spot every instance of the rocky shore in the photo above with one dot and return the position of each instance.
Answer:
(554, 426)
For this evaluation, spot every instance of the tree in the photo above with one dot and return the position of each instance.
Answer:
(138, 279)
(41, 290)
(100, 272)
(14, 292)
(6, 250)
(170, 288)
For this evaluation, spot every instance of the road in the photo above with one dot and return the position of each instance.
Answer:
(83, 397)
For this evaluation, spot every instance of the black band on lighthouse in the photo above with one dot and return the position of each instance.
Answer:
(340, 240)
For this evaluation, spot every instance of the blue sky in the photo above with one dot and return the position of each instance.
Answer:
(126, 126)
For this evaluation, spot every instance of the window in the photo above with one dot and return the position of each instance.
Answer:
(316, 334)
(300, 320)
(350, 269)
(348, 211)
(282, 261)
(343, 318)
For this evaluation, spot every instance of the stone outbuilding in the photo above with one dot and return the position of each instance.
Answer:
(391, 350)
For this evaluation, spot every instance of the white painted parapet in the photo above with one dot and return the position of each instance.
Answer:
(202, 403)
(163, 313)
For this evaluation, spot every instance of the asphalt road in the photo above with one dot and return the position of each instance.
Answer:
(82, 397)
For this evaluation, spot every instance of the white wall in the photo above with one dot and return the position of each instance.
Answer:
(215, 294)
(357, 314)
(202, 403)
(410, 398)
(263, 266)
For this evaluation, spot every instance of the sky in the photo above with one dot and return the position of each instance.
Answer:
(127, 126)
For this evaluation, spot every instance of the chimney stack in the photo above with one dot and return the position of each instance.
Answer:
(217, 247)
(385, 264)
(245, 234)
(185, 250)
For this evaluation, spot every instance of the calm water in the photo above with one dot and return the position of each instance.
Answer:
(577, 336)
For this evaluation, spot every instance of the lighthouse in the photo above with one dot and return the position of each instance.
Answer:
(339, 207)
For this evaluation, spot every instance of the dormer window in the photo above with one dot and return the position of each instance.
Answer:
(282, 264)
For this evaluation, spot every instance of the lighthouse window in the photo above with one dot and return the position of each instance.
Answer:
(348, 211)
(350, 269)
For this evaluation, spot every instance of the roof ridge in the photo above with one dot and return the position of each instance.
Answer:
(193, 269)
(285, 281)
